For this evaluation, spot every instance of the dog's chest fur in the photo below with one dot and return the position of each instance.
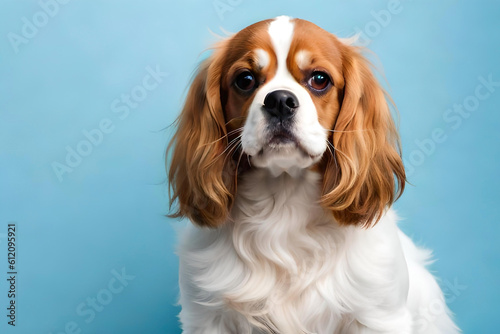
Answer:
(283, 262)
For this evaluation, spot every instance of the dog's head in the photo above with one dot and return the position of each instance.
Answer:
(286, 95)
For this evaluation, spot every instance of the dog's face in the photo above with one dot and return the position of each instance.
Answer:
(287, 96)
(286, 85)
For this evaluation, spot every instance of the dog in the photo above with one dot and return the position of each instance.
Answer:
(286, 160)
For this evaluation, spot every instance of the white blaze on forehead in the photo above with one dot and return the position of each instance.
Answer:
(262, 58)
(303, 59)
(281, 33)
(306, 128)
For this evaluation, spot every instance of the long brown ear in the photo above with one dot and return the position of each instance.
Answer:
(200, 176)
(365, 173)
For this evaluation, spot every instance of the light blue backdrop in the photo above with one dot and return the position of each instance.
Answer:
(95, 252)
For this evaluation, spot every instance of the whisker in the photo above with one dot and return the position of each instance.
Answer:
(337, 150)
(232, 151)
(234, 131)
(333, 154)
(236, 118)
(231, 146)
(239, 160)
(227, 134)
(329, 149)
(231, 143)
(346, 131)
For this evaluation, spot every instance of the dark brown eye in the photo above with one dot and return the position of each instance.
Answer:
(319, 81)
(245, 81)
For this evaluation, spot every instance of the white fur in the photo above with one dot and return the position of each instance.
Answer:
(303, 59)
(263, 59)
(285, 263)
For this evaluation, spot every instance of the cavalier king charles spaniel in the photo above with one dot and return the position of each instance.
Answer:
(287, 160)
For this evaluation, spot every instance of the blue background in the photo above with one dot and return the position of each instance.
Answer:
(108, 213)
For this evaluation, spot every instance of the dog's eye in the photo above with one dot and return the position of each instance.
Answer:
(318, 81)
(245, 81)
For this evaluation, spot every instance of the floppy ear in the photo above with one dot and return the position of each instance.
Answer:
(365, 173)
(200, 176)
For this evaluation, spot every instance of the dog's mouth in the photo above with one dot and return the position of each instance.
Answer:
(281, 150)
(282, 137)
(282, 142)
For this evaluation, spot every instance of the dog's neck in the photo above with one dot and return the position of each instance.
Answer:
(262, 194)
(272, 213)
(283, 238)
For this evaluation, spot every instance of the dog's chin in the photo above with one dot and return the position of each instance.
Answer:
(284, 156)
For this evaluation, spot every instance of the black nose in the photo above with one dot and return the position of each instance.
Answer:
(281, 104)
